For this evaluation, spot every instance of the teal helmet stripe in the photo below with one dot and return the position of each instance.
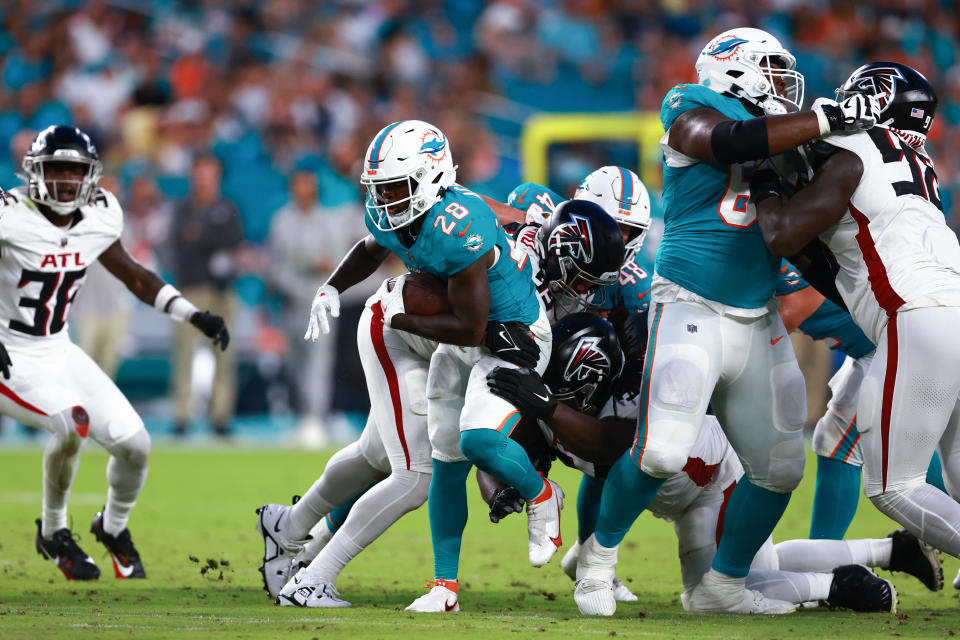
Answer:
(375, 153)
(626, 189)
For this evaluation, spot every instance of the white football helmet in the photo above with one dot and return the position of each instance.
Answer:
(406, 169)
(738, 62)
(622, 195)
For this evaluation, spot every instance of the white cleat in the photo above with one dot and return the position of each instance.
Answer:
(543, 524)
(621, 593)
(305, 591)
(594, 590)
(718, 593)
(278, 550)
(439, 599)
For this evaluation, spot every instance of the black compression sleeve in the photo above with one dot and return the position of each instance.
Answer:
(735, 141)
(819, 267)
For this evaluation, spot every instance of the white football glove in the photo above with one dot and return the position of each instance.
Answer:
(392, 301)
(325, 302)
(856, 113)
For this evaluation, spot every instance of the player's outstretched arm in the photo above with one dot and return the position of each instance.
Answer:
(797, 306)
(151, 289)
(708, 135)
(505, 213)
(789, 227)
(469, 293)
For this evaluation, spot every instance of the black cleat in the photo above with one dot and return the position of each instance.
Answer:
(917, 558)
(63, 551)
(858, 588)
(126, 559)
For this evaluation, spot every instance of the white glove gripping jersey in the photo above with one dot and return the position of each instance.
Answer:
(894, 248)
(42, 266)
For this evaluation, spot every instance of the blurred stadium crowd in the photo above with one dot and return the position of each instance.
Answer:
(278, 98)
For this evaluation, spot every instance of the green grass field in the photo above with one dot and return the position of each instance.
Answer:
(194, 527)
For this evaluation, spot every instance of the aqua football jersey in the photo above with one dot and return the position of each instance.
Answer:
(455, 233)
(712, 243)
(829, 322)
(632, 289)
(534, 200)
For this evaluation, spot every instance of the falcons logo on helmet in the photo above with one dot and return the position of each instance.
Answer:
(880, 82)
(575, 236)
(588, 358)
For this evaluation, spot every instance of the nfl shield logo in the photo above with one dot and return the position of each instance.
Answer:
(691, 328)
(63, 241)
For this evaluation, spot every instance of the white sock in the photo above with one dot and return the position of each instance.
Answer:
(825, 555)
(372, 514)
(126, 474)
(346, 474)
(61, 459)
(791, 586)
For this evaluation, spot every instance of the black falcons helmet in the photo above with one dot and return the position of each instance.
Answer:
(585, 362)
(907, 101)
(583, 246)
(58, 144)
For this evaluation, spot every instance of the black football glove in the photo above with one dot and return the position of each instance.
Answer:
(513, 342)
(505, 501)
(523, 389)
(5, 363)
(213, 327)
(764, 184)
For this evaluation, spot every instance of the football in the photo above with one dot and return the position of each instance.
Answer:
(424, 295)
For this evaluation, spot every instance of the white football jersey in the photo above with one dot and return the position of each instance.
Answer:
(42, 266)
(894, 248)
(526, 239)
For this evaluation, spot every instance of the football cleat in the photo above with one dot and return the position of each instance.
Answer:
(858, 588)
(917, 558)
(543, 524)
(621, 593)
(278, 551)
(593, 592)
(64, 552)
(717, 593)
(440, 599)
(304, 591)
(126, 559)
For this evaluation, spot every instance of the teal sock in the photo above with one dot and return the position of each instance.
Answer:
(935, 473)
(626, 493)
(502, 458)
(447, 508)
(588, 506)
(835, 498)
(751, 515)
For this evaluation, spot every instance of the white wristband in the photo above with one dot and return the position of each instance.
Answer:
(823, 121)
(170, 301)
(181, 309)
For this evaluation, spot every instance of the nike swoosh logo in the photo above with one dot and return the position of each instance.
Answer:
(506, 338)
(276, 525)
(462, 233)
(449, 607)
(520, 199)
(544, 398)
(558, 542)
(126, 572)
(776, 340)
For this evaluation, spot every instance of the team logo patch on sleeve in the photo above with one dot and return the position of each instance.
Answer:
(474, 243)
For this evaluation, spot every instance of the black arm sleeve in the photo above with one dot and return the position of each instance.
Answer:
(819, 267)
(735, 141)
